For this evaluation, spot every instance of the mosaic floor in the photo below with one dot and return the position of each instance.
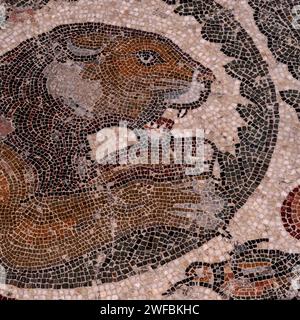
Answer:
(149, 149)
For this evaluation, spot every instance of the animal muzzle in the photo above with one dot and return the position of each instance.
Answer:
(197, 91)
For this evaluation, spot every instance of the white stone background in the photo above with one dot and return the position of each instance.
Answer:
(260, 216)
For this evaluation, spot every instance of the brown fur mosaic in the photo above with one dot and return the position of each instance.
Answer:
(71, 222)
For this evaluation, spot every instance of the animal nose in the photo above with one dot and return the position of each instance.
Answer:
(205, 75)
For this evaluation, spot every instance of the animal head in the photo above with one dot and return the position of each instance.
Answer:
(139, 74)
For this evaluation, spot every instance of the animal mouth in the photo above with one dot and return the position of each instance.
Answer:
(175, 94)
(193, 95)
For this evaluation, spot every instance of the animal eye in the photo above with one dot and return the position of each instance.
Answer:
(148, 57)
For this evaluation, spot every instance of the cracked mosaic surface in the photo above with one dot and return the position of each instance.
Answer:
(74, 227)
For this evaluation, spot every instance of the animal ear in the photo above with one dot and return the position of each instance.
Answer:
(87, 45)
(91, 41)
